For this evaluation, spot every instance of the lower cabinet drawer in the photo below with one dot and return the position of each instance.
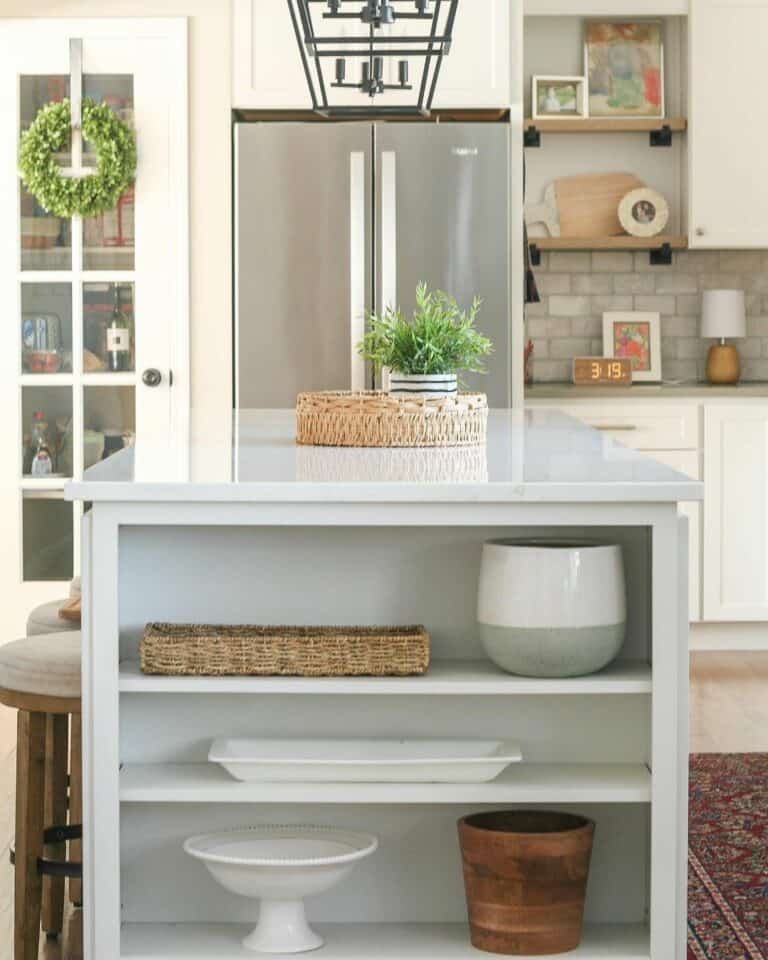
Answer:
(645, 426)
(651, 427)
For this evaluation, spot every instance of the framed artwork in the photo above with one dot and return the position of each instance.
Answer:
(624, 67)
(636, 336)
(558, 97)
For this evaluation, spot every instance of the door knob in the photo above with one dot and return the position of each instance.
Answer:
(700, 231)
(151, 377)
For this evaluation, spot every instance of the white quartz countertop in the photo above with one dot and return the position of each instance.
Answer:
(533, 455)
(688, 390)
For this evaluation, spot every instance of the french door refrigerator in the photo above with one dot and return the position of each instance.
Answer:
(335, 220)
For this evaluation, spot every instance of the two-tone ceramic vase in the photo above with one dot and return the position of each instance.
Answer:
(551, 608)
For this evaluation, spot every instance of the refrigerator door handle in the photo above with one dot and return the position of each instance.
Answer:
(388, 238)
(357, 265)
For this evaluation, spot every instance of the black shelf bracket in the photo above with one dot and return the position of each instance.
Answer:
(532, 136)
(661, 137)
(661, 256)
(534, 254)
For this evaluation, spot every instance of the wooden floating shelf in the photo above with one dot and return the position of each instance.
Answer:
(362, 941)
(609, 243)
(461, 677)
(604, 125)
(520, 783)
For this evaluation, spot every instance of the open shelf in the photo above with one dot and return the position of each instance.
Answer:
(520, 783)
(461, 677)
(604, 124)
(362, 941)
(609, 243)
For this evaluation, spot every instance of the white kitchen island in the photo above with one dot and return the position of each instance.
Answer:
(266, 532)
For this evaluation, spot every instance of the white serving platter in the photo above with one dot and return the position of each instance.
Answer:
(365, 761)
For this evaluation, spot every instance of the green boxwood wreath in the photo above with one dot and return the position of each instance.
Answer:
(88, 196)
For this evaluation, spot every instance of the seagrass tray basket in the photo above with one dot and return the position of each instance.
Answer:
(377, 419)
(183, 649)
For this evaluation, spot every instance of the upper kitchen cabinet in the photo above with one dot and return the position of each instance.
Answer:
(728, 136)
(268, 73)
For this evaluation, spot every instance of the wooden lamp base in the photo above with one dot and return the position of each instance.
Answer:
(723, 364)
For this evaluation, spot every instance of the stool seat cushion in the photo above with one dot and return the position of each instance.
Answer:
(47, 664)
(46, 619)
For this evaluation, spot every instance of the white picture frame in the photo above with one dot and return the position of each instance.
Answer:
(555, 83)
(626, 113)
(643, 346)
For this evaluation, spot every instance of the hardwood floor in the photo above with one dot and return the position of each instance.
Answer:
(729, 713)
(729, 702)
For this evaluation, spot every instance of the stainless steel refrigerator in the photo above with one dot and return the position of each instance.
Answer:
(334, 220)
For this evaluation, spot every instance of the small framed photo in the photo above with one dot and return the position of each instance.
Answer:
(558, 97)
(637, 337)
(624, 67)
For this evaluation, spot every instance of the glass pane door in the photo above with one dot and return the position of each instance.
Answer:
(77, 341)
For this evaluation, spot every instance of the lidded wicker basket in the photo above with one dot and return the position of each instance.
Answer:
(373, 418)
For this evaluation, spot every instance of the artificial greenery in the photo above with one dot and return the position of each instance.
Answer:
(439, 338)
(85, 196)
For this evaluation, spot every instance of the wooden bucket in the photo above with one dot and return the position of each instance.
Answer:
(525, 875)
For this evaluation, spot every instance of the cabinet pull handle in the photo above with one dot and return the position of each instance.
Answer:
(615, 426)
(700, 231)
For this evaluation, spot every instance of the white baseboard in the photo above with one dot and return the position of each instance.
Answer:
(728, 636)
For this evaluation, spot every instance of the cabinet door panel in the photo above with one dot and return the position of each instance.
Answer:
(736, 512)
(268, 72)
(729, 202)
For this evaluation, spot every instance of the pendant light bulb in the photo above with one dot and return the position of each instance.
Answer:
(422, 6)
(334, 6)
(341, 69)
(378, 68)
(402, 72)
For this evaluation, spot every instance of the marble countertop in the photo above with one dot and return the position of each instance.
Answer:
(532, 455)
(666, 391)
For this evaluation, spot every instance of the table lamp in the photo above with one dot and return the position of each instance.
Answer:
(723, 314)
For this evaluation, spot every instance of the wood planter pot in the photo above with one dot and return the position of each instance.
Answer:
(525, 875)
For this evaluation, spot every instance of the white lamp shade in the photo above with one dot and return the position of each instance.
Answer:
(723, 314)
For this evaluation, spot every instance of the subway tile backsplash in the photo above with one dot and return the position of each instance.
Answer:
(577, 288)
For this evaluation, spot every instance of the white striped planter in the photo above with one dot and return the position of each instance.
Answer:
(423, 385)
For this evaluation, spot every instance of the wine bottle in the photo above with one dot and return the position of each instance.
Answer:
(118, 338)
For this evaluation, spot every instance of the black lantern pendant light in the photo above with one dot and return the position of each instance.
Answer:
(360, 58)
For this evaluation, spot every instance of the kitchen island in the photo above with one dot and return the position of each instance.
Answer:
(268, 532)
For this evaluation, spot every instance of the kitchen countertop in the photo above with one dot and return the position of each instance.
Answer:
(531, 456)
(670, 391)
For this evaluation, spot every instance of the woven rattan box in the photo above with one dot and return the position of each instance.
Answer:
(176, 649)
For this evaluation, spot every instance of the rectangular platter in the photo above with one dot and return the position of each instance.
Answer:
(365, 761)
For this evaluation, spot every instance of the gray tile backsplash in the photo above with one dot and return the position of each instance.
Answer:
(577, 288)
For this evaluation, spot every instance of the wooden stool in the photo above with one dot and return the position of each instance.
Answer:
(45, 619)
(40, 677)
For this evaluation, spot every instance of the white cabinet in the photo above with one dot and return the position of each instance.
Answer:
(728, 199)
(669, 433)
(71, 388)
(736, 512)
(268, 72)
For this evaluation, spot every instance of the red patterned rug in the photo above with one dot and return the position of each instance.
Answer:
(728, 857)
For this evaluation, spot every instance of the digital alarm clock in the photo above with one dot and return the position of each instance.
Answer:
(602, 371)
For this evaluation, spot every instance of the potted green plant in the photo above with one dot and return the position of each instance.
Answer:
(425, 352)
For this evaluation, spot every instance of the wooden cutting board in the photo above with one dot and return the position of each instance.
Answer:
(583, 206)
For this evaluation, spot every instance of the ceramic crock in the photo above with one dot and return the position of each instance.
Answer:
(551, 608)
(423, 385)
